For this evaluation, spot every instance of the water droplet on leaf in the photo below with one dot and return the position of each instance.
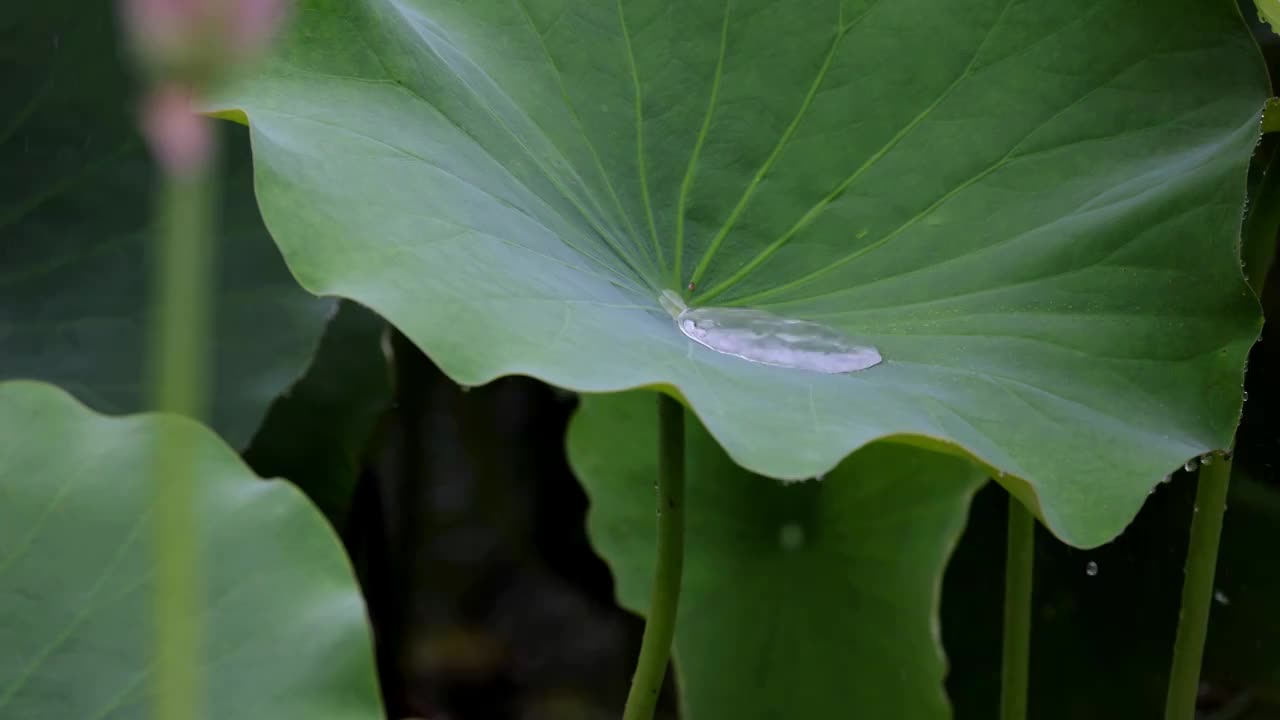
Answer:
(1190, 465)
(1206, 459)
(770, 339)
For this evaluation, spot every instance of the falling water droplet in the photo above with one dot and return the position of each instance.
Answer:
(791, 536)
(770, 339)
(1091, 569)
(388, 350)
(1221, 598)
(1190, 465)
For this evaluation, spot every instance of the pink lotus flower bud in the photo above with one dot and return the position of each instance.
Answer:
(198, 40)
(255, 22)
(180, 138)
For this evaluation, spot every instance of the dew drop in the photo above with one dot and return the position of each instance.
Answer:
(1221, 598)
(770, 339)
(791, 536)
(1190, 465)
(1206, 459)
(1245, 396)
(1091, 569)
(1166, 479)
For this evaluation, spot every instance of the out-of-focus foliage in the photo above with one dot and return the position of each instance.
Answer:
(75, 233)
(283, 622)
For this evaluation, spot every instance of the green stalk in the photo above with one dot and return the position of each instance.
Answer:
(1019, 563)
(179, 336)
(655, 647)
(1197, 589)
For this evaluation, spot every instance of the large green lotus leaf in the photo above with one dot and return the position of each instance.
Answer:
(1031, 208)
(75, 218)
(283, 621)
(800, 600)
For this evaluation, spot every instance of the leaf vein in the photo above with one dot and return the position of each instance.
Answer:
(573, 199)
(814, 212)
(638, 104)
(577, 119)
(772, 158)
(687, 184)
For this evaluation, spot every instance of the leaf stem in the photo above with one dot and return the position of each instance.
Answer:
(179, 338)
(1197, 589)
(1019, 564)
(655, 647)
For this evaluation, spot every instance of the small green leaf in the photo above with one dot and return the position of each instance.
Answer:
(800, 600)
(284, 623)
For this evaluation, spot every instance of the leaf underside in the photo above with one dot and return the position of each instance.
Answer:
(1030, 209)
